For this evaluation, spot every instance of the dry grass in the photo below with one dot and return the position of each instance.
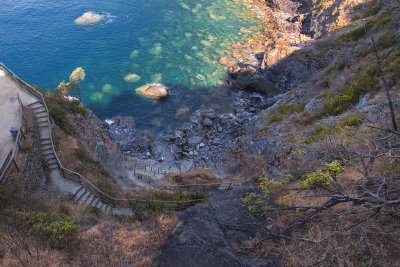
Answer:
(108, 244)
(196, 176)
(74, 157)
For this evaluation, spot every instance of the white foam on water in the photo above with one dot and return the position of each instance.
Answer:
(109, 121)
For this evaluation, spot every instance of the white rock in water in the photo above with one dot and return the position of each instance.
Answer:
(153, 90)
(132, 77)
(89, 18)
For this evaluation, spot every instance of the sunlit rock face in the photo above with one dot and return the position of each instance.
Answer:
(89, 18)
(153, 90)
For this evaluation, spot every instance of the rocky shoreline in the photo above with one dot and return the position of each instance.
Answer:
(207, 135)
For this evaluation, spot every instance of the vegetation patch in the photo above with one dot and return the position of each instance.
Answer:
(285, 110)
(350, 95)
(162, 201)
(388, 39)
(351, 120)
(59, 108)
(319, 133)
(57, 230)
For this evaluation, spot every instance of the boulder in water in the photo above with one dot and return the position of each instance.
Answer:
(89, 18)
(153, 90)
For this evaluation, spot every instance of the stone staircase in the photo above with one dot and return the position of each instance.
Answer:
(80, 192)
(46, 147)
(86, 198)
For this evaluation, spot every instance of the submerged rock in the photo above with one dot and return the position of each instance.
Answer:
(153, 90)
(89, 18)
(132, 77)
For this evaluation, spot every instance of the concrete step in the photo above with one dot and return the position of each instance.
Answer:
(40, 115)
(47, 151)
(89, 200)
(43, 119)
(39, 110)
(43, 124)
(52, 161)
(46, 146)
(104, 207)
(79, 192)
(93, 202)
(49, 157)
(99, 204)
(35, 105)
(108, 209)
(53, 166)
(45, 141)
(83, 196)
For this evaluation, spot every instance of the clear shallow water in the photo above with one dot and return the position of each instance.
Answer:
(174, 42)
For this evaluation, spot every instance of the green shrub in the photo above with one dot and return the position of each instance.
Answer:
(315, 179)
(276, 117)
(353, 35)
(80, 153)
(57, 230)
(60, 118)
(306, 118)
(320, 132)
(178, 179)
(387, 40)
(384, 18)
(326, 82)
(322, 177)
(161, 201)
(339, 66)
(351, 120)
(372, 11)
(285, 110)
(358, 33)
(351, 94)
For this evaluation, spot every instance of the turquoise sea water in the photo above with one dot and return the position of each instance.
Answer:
(174, 42)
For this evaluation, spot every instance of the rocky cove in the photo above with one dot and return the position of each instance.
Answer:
(254, 85)
(219, 139)
(259, 133)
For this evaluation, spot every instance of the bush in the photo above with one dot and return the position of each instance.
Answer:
(372, 11)
(178, 179)
(56, 230)
(322, 177)
(351, 120)
(351, 94)
(59, 108)
(316, 179)
(326, 82)
(60, 118)
(161, 201)
(285, 110)
(387, 40)
(320, 132)
(306, 118)
(384, 18)
(358, 33)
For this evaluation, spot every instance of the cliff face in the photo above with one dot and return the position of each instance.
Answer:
(94, 137)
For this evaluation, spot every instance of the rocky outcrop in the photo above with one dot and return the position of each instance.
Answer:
(207, 235)
(153, 90)
(93, 135)
(89, 18)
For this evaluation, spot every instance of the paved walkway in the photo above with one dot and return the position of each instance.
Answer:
(10, 111)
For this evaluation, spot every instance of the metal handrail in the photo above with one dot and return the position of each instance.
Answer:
(10, 157)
